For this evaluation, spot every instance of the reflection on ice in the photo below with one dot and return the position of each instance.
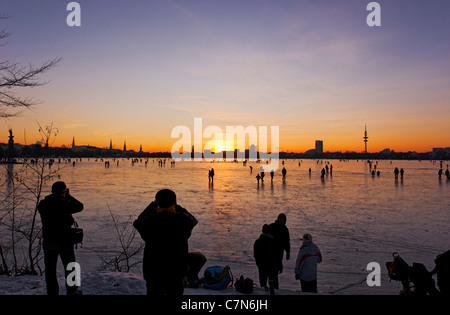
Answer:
(354, 217)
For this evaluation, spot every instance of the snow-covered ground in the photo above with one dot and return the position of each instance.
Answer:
(106, 283)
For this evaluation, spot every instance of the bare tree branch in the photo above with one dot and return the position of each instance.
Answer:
(13, 75)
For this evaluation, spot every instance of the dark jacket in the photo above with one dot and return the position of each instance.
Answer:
(166, 237)
(282, 239)
(56, 216)
(265, 253)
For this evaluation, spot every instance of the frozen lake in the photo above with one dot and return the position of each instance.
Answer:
(355, 218)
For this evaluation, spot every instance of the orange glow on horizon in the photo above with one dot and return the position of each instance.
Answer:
(292, 146)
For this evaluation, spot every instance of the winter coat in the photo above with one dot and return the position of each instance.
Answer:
(56, 216)
(306, 264)
(265, 253)
(282, 239)
(166, 235)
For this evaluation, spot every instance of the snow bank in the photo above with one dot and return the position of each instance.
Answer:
(105, 283)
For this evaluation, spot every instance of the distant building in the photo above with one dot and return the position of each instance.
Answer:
(365, 139)
(385, 152)
(252, 152)
(311, 152)
(441, 153)
(319, 146)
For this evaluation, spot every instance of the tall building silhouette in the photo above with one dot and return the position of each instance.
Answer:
(319, 146)
(365, 138)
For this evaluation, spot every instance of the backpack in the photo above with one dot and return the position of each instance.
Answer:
(217, 277)
(398, 269)
(244, 285)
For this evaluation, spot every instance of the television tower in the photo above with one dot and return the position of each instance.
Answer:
(365, 138)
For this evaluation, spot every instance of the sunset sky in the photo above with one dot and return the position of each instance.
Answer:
(136, 69)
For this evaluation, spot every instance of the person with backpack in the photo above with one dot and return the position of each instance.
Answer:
(442, 270)
(165, 227)
(306, 264)
(265, 253)
(280, 232)
(56, 215)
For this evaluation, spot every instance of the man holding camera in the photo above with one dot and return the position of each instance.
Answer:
(56, 215)
(165, 227)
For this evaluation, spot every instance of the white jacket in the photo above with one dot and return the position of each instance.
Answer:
(306, 264)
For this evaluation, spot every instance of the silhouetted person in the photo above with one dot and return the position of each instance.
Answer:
(323, 173)
(211, 175)
(306, 264)
(258, 177)
(401, 172)
(56, 215)
(280, 232)
(196, 261)
(265, 253)
(447, 173)
(442, 270)
(271, 175)
(440, 172)
(165, 227)
(283, 171)
(396, 171)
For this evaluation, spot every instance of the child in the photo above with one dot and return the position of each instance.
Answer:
(306, 265)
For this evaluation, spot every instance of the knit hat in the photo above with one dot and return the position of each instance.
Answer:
(307, 238)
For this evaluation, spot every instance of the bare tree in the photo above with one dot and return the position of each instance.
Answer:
(24, 187)
(124, 253)
(14, 76)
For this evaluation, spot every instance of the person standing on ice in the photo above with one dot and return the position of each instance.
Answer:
(56, 215)
(165, 227)
(306, 264)
(265, 254)
(282, 239)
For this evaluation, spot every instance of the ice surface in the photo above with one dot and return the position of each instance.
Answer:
(354, 217)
